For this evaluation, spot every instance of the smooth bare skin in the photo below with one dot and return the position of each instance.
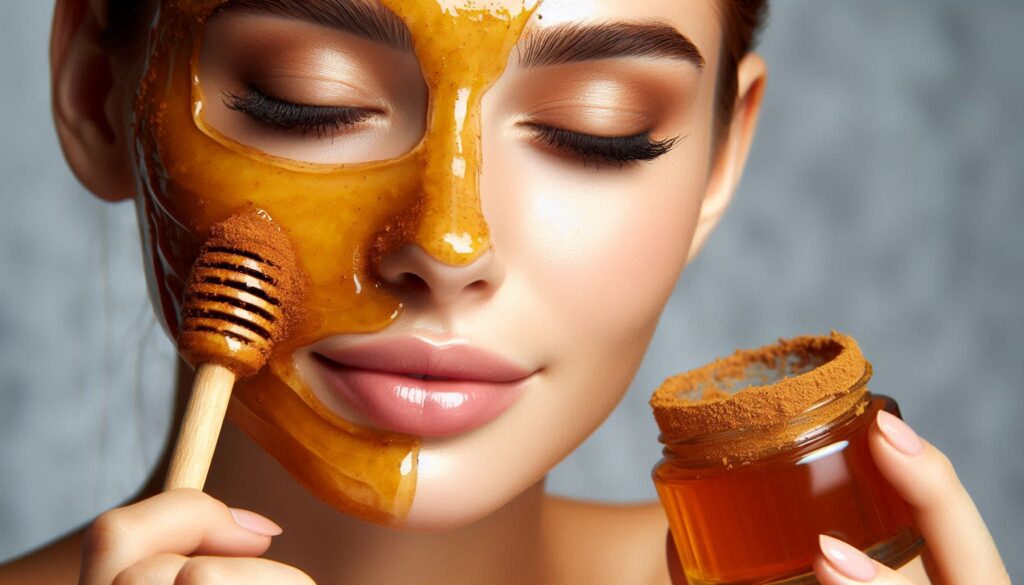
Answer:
(502, 528)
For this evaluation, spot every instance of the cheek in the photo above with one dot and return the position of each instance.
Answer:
(598, 250)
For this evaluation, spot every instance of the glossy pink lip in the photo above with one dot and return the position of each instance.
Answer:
(411, 386)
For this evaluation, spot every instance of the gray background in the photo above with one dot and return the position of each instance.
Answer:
(884, 198)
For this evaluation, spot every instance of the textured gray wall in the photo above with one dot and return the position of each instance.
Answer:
(884, 198)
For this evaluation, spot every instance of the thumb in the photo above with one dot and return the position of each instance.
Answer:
(182, 522)
(842, 564)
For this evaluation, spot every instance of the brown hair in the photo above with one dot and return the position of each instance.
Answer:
(742, 20)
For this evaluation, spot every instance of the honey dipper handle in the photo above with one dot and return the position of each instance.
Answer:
(204, 415)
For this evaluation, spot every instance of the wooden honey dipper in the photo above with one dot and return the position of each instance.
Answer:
(233, 312)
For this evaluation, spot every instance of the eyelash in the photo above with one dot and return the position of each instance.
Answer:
(618, 150)
(283, 115)
(326, 120)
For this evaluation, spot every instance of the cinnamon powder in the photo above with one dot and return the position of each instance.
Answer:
(759, 400)
(242, 295)
(256, 233)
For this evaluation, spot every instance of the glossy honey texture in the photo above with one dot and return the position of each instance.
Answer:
(339, 218)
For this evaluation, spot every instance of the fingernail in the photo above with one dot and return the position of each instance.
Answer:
(899, 434)
(846, 559)
(253, 522)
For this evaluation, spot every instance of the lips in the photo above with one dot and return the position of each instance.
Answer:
(413, 386)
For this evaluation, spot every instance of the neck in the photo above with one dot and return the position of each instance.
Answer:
(335, 549)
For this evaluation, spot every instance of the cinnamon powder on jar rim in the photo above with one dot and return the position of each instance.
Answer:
(758, 401)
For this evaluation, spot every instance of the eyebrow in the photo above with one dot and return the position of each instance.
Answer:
(364, 18)
(560, 44)
(572, 43)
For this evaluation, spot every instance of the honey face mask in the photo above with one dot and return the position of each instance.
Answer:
(339, 218)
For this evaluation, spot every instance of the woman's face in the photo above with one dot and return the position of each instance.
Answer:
(466, 325)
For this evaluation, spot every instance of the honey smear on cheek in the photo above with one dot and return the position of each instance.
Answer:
(339, 219)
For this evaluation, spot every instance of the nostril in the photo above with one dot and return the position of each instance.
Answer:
(480, 285)
(411, 282)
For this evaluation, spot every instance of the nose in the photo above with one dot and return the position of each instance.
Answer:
(417, 273)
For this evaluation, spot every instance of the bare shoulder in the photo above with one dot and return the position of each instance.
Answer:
(593, 542)
(53, 564)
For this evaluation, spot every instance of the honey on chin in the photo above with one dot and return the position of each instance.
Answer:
(752, 474)
(338, 218)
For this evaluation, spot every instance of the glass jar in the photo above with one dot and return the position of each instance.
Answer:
(749, 481)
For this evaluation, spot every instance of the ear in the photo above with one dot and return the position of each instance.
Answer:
(88, 105)
(732, 155)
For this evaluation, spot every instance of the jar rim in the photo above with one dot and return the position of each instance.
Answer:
(811, 375)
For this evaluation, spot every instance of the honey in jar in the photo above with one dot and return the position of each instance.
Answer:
(767, 449)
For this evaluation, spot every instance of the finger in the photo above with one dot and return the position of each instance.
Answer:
(959, 545)
(842, 564)
(161, 569)
(182, 521)
(231, 571)
(675, 566)
(169, 569)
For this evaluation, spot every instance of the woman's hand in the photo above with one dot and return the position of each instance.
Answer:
(958, 547)
(182, 537)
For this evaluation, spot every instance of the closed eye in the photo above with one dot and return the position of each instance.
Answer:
(620, 150)
(304, 118)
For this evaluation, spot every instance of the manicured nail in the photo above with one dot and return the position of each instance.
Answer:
(255, 523)
(899, 434)
(846, 559)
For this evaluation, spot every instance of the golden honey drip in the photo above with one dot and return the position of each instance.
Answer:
(338, 218)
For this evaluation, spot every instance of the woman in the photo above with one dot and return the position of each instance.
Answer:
(613, 141)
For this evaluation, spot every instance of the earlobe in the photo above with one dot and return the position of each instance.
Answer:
(87, 102)
(731, 158)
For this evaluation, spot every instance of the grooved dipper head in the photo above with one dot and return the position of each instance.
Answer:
(238, 291)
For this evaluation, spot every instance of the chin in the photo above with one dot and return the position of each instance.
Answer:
(446, 516)
(452, 494)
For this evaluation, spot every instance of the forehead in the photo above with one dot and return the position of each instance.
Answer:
(698, 20)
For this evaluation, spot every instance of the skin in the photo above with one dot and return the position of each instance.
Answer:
(501, 528)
